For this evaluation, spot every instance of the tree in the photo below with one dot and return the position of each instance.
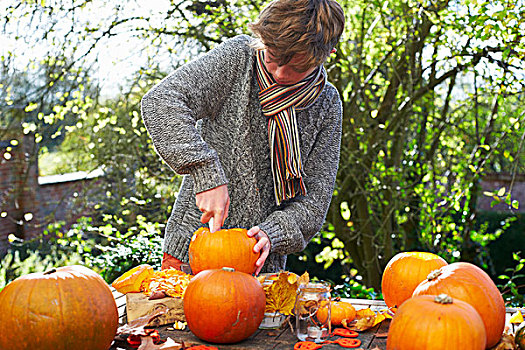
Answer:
(430, 92)
(423, 121)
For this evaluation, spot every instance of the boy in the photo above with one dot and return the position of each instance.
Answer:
(256, 129)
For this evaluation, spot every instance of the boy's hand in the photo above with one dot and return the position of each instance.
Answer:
(214, 203)
(263, 246)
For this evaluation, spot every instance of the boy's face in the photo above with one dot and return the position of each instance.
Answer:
(287, 74)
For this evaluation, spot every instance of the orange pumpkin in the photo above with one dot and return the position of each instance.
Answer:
(404, 272)
(339, 311)
(62, 309)
(224, 305)
(223, 248)
(435, 323)
(469, 283)
(131, 281)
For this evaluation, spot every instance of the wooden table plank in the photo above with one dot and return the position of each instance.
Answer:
(281, 339)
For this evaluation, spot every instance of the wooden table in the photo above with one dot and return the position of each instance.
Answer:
(280, 339)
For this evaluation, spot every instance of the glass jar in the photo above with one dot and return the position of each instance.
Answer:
(312, 312)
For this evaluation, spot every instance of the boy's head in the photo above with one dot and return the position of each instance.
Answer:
(310, 28)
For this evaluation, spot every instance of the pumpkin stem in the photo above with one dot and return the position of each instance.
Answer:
(434, 274)
(443, 299)
(230, 269)
(48, 272)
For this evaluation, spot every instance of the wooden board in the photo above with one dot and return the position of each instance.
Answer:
(138, 305)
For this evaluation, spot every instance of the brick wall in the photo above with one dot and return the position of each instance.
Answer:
(29, 202)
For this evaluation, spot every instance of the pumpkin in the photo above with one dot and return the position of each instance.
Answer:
(222, 248)
(339, 311)
(469, 283)
(519, 337)
(131, 281)
(231, 302)
(435, 323)
(404, 272)
(61, 309)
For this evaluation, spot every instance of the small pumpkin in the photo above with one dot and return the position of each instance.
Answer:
(222, 248)
(232, 302)
(519, 337)
(339, 311)
(404, 272)
(435, 323)
(467, 282)
(131, 281)
(62, 309)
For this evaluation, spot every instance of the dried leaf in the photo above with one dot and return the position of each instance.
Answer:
(280, 295)
(506, 343)
(148, 344)
(366, 319)
(136, 327)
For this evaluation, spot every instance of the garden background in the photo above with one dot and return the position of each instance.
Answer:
(433, 96)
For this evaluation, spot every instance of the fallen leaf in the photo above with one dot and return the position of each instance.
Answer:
(381, 335)
(136, 327)
(280, 295)
(506, 343)
(366, 319)
(148, 344)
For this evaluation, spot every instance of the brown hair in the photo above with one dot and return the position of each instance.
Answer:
(308, 27)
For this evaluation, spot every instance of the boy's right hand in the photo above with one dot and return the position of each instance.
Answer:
(214, 203)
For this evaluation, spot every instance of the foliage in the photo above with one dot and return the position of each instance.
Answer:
(432, 95)
(510, 289)
(353, 289)
(138, 245)
(423, 122)
(54, 248)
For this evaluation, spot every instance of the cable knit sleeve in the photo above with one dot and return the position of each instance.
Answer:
(291, 228)
(194, 91)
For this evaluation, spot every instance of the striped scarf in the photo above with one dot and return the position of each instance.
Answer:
(279, 103)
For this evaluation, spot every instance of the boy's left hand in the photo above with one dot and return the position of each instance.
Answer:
(263, 246)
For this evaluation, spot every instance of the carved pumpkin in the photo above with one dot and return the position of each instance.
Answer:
(435, 323)
(223, 248)
(467, 282)
(404, 272)
(224, 305)
(339, 311)
(131, 281)
(62, 309)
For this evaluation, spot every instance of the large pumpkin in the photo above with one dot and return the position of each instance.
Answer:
(223, 248)
(62, 309)
(404, 272)
(224, 305)
(467, 282)
(435, 323)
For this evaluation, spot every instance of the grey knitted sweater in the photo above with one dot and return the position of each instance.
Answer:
(206, 123)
